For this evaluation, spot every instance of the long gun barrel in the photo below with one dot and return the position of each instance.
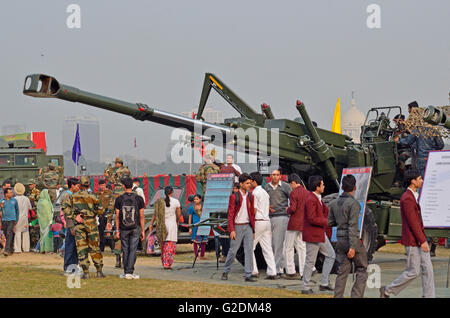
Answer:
(322, 153)
(40, 85)
(436, 116)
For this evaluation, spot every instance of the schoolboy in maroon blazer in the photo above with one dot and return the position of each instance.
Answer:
(241, 226)
(315, 224)
(415, 241)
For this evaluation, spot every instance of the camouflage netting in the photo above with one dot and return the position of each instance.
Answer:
(415, 125)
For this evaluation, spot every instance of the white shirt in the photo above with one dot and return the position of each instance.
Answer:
(171, 219)
(139, 192)
(24, 205)
(318, 197)
(242, 216)
(235, 166)
(262, 203)
(416, 195)
(275, 186)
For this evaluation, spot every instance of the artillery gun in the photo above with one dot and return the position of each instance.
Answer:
(303, 148)
(437, 116)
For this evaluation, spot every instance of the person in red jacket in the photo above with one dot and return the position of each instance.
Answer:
(296, 211)
(241, 226)
(315, 225)
(415, 241)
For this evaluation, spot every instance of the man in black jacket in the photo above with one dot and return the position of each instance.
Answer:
(344, 213)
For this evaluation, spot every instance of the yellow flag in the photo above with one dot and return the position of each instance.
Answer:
(337, 118)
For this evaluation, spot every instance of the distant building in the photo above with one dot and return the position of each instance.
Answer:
(210, 114)
(89, 136)
(352, 121)
(13, 129)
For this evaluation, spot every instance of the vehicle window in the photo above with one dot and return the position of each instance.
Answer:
(55, 161)
(25, 160)
(4, 160)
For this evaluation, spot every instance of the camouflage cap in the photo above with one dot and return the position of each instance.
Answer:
(119, 160)
(84, 181)
(31, 181)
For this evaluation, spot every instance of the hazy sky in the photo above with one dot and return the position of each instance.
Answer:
(157, 52)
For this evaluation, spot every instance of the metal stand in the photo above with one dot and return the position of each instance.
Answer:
(196, 255)
(448, 270)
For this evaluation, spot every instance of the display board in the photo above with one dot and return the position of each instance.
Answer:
(362, 176)
(217, 195)
(435, 194)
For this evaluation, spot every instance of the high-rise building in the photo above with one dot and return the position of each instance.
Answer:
(352, 121)
(89, 136)
(210, 114)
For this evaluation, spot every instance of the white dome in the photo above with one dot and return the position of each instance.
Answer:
(353, 117)
(352, 121)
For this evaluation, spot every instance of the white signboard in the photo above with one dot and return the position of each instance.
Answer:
(435, 195)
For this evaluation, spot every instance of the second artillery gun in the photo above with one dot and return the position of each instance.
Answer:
(302, 147)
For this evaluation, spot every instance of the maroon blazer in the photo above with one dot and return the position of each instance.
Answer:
(233, 211)
(315, 221)
(296, 209)
(413, 233)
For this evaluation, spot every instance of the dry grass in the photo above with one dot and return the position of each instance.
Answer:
(30, 282)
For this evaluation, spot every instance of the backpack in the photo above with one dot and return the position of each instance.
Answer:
(238, 199)
(129, 215)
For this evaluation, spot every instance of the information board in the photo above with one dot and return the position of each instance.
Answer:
(435, 194)
(362, 176)
(217, 194)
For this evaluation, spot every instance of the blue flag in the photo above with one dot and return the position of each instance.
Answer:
(76, 150)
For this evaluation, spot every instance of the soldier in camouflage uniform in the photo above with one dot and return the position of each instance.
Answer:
(114, 176)
(83, 213)
(205, 169)
(50, 178)
(33, 194)
(105, 196)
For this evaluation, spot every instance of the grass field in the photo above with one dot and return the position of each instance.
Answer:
(28, 275)
(31, 282)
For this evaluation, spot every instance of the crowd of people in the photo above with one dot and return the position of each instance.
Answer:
(281, 217)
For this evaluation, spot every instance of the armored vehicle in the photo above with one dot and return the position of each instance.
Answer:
(19, 162)
(302, 147)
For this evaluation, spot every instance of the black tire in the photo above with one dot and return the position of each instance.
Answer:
(260, 261)
(370, 234)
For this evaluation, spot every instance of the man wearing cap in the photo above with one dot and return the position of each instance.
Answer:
(33, 194)
(70, 250)
(85, 209)
(22, 237)
(50, 179)
(419, 142)
(105, 196)
(205, 169)
(114, 175)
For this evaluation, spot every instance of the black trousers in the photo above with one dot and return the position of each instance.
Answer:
(225, 243)
(8, 230)
(345, 268)
(102, 220)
